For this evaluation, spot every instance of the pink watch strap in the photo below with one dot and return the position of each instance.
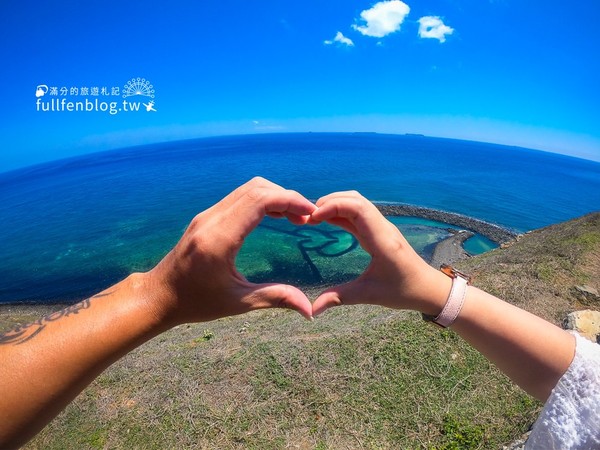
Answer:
(454, 303)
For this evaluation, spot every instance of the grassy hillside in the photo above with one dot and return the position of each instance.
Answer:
(540, 271)
(356, 377)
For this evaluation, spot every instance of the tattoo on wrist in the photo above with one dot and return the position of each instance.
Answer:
(23, 333)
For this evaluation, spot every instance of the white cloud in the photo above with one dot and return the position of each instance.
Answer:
(383, 18)
(339, 37)
(433, 27)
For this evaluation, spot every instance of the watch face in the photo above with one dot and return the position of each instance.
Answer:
(448, 270)
(453, 273)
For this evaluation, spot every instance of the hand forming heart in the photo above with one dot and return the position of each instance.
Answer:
(198, 280)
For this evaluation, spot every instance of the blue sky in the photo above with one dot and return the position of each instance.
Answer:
(506, 71)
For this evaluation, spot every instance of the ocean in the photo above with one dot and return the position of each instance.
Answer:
(72, 227)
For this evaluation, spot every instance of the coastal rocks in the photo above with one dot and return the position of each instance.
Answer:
(491, 231)
(510, 243)
(586, 323)
(587, 295)
(451, 250)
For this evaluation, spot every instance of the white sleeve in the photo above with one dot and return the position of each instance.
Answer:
(570, 419)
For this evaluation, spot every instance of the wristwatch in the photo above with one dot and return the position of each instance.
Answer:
(455, 300)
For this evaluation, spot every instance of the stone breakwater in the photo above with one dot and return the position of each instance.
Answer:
(451, 249)
(495, 233)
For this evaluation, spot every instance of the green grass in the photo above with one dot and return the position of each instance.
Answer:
(388, 381)
(359, 377)
(588, 240)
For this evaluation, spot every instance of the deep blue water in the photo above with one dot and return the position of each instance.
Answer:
(72, 227)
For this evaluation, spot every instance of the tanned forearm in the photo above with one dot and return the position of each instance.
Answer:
(47, 363)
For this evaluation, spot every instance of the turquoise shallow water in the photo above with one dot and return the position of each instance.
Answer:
(279, 251)
(72, 227)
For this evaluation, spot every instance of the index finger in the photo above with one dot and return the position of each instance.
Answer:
(251, 207)
(236, 194)
(358, 216)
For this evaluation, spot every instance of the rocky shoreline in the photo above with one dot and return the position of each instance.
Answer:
(493, 232)
(451, 249)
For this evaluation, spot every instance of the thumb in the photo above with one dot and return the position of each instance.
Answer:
(273, 295)
(335, 296)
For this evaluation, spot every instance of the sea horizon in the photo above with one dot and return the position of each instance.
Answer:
(75, 225)
(167, 142)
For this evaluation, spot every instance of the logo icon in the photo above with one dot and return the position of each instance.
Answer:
(138, 86)
(149, 106)
(41, 90)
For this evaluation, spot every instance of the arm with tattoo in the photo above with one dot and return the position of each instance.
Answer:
(23, 333)
(46, 364)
